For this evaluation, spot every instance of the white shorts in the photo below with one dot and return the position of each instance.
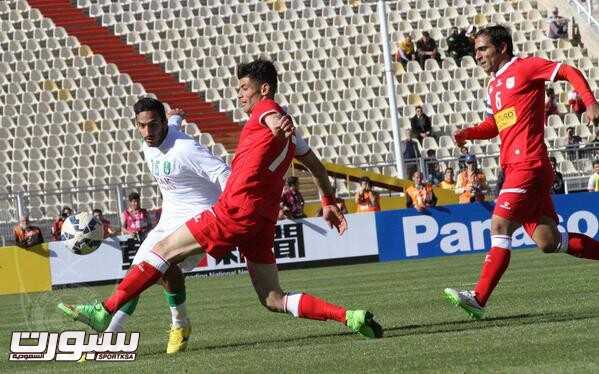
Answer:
(156, 235)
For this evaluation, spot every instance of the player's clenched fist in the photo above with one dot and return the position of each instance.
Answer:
(460, 138)
(593, 114)
(332, 214)
(176, 112)
(283, 127)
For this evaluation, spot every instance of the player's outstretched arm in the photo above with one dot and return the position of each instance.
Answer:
(581, 85)
(330, 212)
(487, 129)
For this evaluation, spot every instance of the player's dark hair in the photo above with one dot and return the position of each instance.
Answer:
(133, 196)
(99, 211)
(596, 162)
(552, 159)
(261, 71)
(498, 35)
(146, 104)
(292, 181)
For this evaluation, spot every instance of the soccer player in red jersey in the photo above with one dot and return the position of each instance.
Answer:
(516, 95)
(245, 216)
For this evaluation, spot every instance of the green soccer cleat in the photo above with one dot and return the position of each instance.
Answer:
(466, 301)
(94, 315)
(363, 323)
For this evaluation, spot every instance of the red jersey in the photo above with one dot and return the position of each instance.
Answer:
(257, 171)
(517, 100)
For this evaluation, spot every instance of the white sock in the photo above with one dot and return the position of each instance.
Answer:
(563, 245)
(157, 261)
(291, 302)
(117, 324)
(179, 315)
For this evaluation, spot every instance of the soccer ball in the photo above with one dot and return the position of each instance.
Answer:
(82, 233)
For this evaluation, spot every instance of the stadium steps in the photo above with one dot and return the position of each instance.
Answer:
(154, 79)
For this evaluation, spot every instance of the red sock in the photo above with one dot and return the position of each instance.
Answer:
(583, 246)
(496, 262)
(311, 307)
(139, 278)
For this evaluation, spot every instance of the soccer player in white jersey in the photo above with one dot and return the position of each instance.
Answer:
(190, 179)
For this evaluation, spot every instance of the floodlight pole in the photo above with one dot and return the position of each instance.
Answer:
(399, 164)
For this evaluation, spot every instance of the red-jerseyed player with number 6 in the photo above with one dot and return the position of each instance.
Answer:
(516, 97)
(245, 216)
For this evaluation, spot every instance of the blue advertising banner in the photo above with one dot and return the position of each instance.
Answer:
(459, 229)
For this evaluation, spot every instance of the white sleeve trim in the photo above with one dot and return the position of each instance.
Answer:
(264, 115)
(514, 190)
(554, 74)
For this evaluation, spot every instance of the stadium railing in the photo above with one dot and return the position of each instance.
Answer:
(590, 9)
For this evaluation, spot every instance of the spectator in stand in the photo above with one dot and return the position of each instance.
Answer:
(136, 221)
(462, 159)
(434, 175)
(572, 143)
(405, 50)
(292, 201)
(558, 25)
(410, 151)
(593, 185)
(58, 221)
(595, 142)
(448, 183)
(26, 235)
(550, 104)
(108, 231)
(576, 38)
(366, 199)
(558, 179)
(459, 44)
(472, 184)
(426, 48)
(420, 124)
(576, 104)
(421, 195)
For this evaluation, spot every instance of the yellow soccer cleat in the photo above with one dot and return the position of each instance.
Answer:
(177, 339)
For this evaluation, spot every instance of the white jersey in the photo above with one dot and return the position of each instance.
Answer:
(189, 176)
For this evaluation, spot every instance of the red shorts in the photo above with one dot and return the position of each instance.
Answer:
(218, 234)
(525, 195)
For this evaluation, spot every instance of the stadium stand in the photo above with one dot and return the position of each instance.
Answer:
(66, 109)
(66, 118)
(330, 59)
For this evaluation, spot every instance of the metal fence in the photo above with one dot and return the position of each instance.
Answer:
(44, 206)
(589, 10)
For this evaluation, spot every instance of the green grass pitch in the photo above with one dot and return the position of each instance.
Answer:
(543, 318)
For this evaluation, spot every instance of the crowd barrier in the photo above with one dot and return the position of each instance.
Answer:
(24, 270)
(296, 242)
(384, 236)
(459, 229)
